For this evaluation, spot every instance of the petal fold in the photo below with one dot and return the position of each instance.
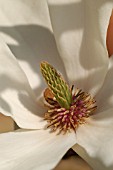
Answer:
(16, 96)
(29, 36)
(95, 140)
(105, 96)
(36, 150)
(80, 29)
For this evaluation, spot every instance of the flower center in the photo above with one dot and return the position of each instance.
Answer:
(66, 120)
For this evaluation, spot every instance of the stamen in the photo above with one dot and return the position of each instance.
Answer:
(65, 120)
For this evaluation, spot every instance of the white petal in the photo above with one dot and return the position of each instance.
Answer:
(29, 36)
(80, 32)
(96, 140)
(105, 96)
(16, 97)
(104, 118)
(33, 150)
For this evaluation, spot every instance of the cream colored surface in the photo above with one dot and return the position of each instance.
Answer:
(16, 93)
(33, 149)
(72, 163)
(80, 33)
(79, 30)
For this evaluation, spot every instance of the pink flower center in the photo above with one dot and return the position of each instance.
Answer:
(64, 120)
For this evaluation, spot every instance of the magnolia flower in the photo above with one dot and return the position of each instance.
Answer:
(79, 29)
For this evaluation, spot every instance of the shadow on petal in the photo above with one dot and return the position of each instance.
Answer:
(26, 102)
(73, 163)
(93, 161)
(35, 43)
(105, 95)
(5, 105)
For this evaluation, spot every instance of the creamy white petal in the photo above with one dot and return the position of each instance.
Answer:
(105, 96)
(16, 96)
(29, 36)
(80, 29)
(36, 150)
(95, 141)
(105, 118)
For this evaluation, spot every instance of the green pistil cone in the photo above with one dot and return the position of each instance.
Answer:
(58, 86)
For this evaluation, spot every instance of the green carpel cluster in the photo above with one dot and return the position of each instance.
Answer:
(58, 86)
